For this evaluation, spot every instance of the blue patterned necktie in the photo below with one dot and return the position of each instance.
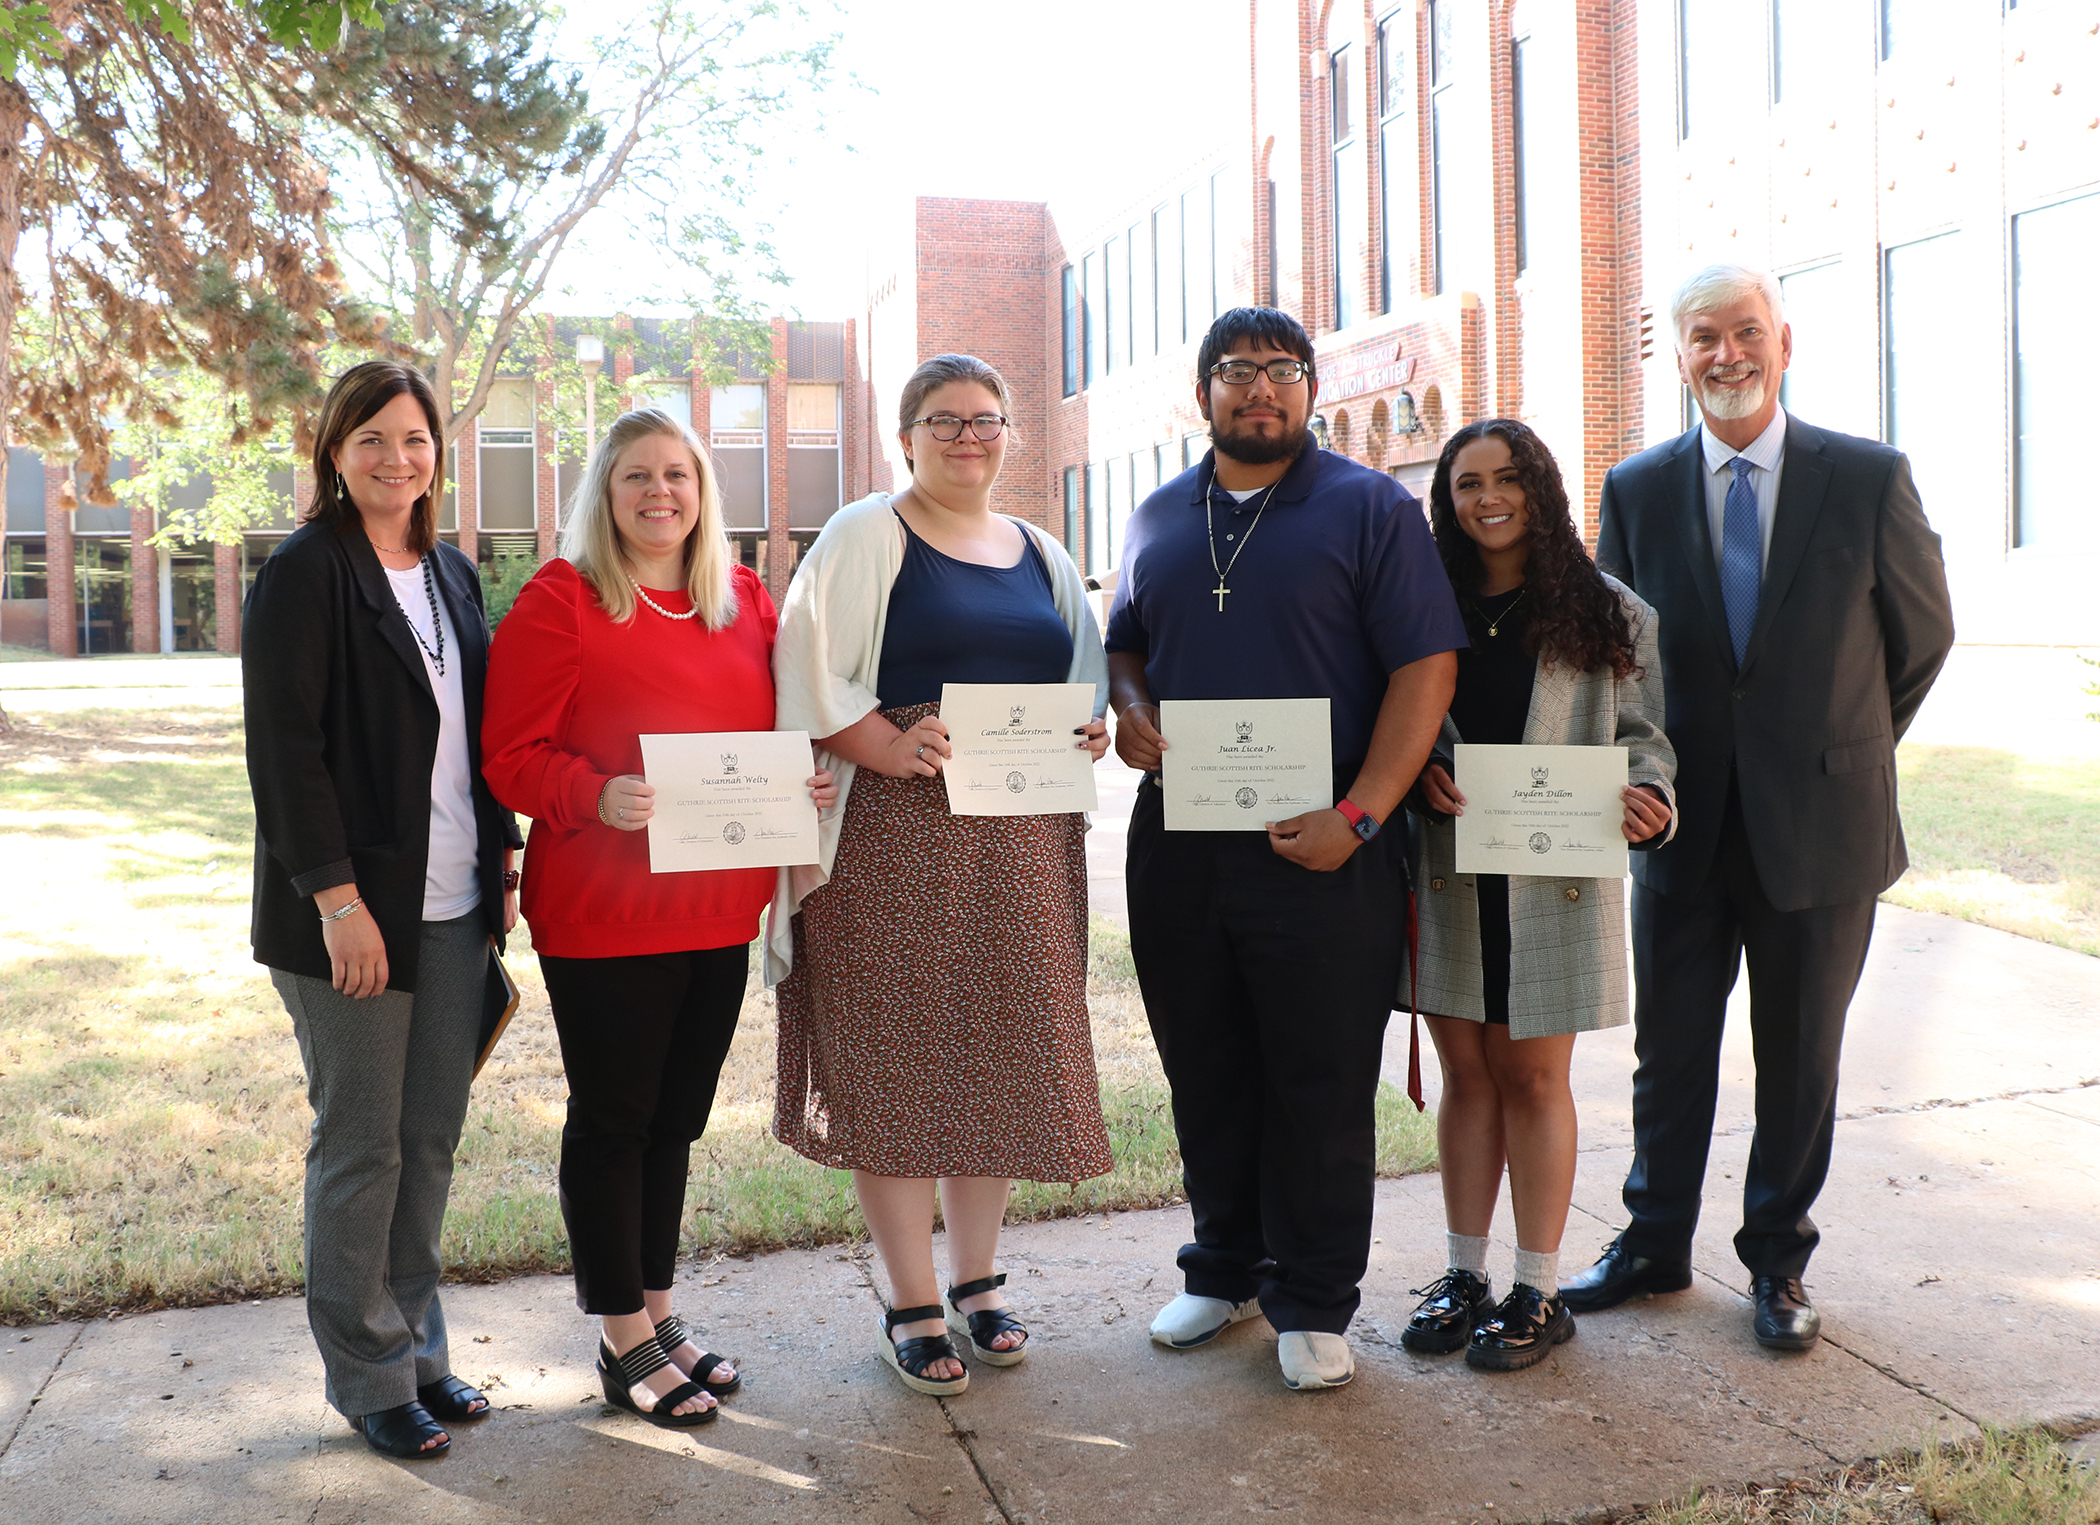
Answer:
(1742, 548)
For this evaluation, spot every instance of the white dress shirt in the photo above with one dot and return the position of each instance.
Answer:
(1767, 452)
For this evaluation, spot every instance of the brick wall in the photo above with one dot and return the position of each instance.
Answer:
(145, 582)
(226, 598)
(780, 553)
(62, 610)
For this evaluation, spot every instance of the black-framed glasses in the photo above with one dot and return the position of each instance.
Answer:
(946, 427)
(1241, 373)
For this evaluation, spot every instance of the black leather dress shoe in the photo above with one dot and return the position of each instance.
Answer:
(1619, 1274)
(1444, 1319)
(1785, 1321)
(1521, 1331)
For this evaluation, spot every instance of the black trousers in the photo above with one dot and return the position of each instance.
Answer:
(1268, 987)
(642, 1039)
(1804, 967)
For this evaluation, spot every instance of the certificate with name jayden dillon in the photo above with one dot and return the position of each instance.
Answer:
(1238, 764)
(1015, 751)
(730, 799)
(1550, 811)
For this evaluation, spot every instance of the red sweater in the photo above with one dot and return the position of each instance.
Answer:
(569, 696)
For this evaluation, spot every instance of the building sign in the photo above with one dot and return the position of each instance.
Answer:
(1370, 369)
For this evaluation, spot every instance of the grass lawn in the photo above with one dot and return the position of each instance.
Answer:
(152, 1108)
(2002, 839)
(25, 654)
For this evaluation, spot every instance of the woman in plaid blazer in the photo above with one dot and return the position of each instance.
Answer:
(1512, 967)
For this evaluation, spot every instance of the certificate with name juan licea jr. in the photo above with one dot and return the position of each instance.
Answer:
(1551, 812)
(1238, 764)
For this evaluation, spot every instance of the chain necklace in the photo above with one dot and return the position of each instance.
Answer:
(437, 622)
(643, 594)
(1495, 625)
(1210, 537)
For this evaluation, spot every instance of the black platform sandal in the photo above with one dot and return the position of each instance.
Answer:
(910, 1358)
(619, 1373)
(402, 1432)
(986, 1326)
(672, 1333)
(454, 1399)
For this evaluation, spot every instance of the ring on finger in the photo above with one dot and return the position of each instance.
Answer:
(919, 750)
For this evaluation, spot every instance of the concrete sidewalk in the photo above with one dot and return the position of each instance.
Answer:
(1959, 1278)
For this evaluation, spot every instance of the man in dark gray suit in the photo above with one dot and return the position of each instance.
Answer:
(1804, 615)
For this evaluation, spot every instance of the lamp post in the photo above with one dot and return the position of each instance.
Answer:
(590, 354)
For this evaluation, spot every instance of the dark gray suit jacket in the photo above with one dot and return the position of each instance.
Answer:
(1853, 623)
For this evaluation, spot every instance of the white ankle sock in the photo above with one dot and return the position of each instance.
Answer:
(1540, 1269)
(1465, 1252)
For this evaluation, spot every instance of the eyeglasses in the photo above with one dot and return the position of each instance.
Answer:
(1240, 373)
(946, 427)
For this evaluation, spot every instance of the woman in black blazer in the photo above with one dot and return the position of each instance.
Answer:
(382, 879)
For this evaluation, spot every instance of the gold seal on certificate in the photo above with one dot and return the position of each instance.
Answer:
(730, 799)
(1553, 812)
(1014, 748)
(1238, 764)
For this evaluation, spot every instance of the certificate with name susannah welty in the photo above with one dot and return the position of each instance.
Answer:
(1015, 751)
(1553, 812)
(1238, 764)
(730, 799)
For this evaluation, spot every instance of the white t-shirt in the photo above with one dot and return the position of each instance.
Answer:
(451, 887)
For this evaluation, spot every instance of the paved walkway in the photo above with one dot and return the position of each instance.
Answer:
(1960, 1281)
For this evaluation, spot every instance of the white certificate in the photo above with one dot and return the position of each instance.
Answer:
(1238, 764)
(730, 799)
(1552, 811)
(1015, 751)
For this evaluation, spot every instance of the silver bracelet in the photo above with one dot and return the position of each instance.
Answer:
(344, 910)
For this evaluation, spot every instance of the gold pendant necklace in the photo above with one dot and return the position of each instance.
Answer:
(1495, 625)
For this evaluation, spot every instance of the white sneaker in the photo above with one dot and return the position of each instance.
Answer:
(1311, 1359)
(1189, 1320)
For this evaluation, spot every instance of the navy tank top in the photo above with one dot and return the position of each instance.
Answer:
(957, 622)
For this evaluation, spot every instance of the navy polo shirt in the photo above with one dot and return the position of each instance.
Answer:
(1338, 587)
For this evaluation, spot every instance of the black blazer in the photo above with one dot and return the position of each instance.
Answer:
(1853, 622)
(342, 735)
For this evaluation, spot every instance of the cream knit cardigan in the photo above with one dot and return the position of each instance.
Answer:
(829, 651)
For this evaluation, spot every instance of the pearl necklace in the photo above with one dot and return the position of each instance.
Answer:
(643, 594)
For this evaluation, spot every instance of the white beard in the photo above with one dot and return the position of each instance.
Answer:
(1733, 402)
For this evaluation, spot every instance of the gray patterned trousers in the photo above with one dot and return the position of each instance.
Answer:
(387, 1077)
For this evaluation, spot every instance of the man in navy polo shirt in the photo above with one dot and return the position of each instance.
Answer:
(1270, 962)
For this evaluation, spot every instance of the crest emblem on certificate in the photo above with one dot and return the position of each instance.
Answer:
(1016, 713)
(1538, 777)
(1017, 782)
(729, 762)
(1243, 731)
(1540, 842)
(733, 833)
(1245, 798)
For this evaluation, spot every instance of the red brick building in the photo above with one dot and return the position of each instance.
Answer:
(1480, 207)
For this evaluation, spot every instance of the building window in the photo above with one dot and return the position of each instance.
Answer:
(1705, 64)
(1522, 108)
(1115, 305)
(1392, 108)
(1221, 285)
(1922, 415)
(1443, 127)
(1887, 18)
(1069, 293)
(1196, 311)
(736, 424)
(1166, 277)
(1091, 301)
(1351, 214)
(2055, 311)
(506, 462)
(1800, 48)
(1814, 304)
(1193, 447)
(1072, 506)
(1096, 499)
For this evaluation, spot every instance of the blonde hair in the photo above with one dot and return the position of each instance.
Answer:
(591, 542)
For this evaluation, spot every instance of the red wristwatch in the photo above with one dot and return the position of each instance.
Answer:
(1361, 821)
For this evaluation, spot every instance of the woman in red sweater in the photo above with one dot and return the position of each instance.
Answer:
(646, 625)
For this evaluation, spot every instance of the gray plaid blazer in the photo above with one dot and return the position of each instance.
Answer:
(1567, 961)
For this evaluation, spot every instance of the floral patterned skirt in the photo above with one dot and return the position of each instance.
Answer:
(935, 1020)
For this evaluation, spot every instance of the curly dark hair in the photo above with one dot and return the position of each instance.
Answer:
(1575, 616)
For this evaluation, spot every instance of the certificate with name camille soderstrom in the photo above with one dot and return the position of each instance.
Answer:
(730, 799)
(1238, 764)
(1548, 811)
(1015, 748)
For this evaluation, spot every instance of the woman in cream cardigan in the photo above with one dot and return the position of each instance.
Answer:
(1515, 966)
(933, 1022)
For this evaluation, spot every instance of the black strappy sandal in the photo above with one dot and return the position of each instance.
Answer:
(619, 1373)
(910, 1358)
(453, 1398)
(402, 1432)
(986, 1326)
(672, 1333)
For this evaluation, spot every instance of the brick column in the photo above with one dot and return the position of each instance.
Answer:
(622, 362)
(779, 549)
(62, 612)
(546, 486)
(145, 582)
(466, 490)
(226, 597)
(852, 475)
